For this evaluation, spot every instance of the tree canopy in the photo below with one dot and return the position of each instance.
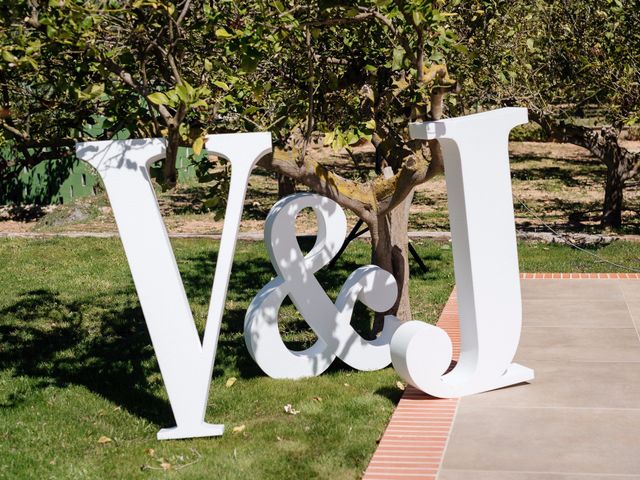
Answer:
(356, 70)
(575, 64)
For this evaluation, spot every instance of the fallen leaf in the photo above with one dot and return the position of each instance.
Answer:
(279, 439)
(290, 410)
(347, 385)
(165, 465)
(239, 428)
(103, 440)
(150, 451)
(117, 409)
(317, 399)
(52, 462)
(230, 382)
(400, 385)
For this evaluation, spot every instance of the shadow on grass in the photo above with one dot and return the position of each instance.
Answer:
(50, 339)
(249, 276)
(392, 393)
(574, 216)
(100, 341)
(567, 177)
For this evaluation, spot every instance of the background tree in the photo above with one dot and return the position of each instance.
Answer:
(358, 70)
(140, 67)
(561, 60)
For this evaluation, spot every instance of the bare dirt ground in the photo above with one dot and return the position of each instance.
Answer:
(560, 185)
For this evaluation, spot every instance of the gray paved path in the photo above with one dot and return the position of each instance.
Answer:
(580, 418)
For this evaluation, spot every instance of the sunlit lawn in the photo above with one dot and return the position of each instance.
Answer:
(76, 365)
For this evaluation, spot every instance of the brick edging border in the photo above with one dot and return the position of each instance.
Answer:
(414, 442)
(577, 276)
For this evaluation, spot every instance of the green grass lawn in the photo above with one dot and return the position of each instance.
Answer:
(76, 365)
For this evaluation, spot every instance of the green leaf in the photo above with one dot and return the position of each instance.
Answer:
(223, 33)
(91, 92)
(530, 44)
(181, 91)
(7, 56)
(222, 85)
(197, 145)
(398, 57)
(97, 89)
(208, 66)
(353, 137)
(172, 96)
(190, 90)
(158, 98)
(249, 63)
(328, 138)
(199, 103)
(401, 84)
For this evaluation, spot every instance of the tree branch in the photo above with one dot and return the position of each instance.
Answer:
(355, 196)
(603, 143)
(14, 130)
(184, 12)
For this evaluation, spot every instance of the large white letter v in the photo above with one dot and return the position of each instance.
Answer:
(186, 364)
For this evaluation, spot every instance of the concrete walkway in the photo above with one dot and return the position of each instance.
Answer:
(580, 418)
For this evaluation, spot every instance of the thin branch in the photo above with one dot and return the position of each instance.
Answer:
(174, 68)
(404, 40)
(14, 130)
(184, 12)
(126, 77)
(355, 196)
(310, 93)
(293, 10)
(330, 22)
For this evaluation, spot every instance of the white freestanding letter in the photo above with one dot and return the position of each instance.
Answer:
(186, 363)
(331, 322)
(477, 171)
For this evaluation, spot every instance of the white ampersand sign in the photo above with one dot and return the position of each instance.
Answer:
(374, 287)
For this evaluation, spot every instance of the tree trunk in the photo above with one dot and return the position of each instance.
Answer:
(613, 193)
(169, 172)
(389, 244)
(286, 186)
